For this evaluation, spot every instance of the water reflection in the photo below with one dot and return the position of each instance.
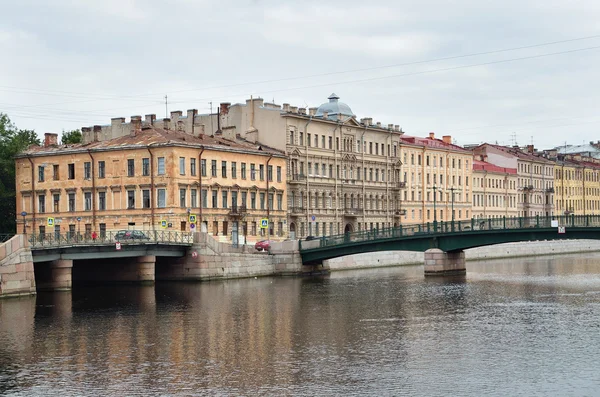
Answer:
(497, 331)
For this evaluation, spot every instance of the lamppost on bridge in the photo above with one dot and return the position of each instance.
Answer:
(452, 189)
(24, 214)
(434, 209)
(78, 228)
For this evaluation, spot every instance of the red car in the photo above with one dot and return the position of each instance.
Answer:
(262, 245)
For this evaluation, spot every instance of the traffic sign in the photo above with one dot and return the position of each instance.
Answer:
(313, 218)
(118, 246)
(561, 230)
(23, 213)
(50, 222)
(163, 224)
(192, 218)
(194, 254)
(264, 223)
(192, 225)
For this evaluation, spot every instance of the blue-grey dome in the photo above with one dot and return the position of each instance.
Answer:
(334, 108)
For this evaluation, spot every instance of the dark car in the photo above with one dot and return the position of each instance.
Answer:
(263, 245)
(130, 235)
(309, 238)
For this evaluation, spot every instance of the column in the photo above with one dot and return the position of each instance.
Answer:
(61, 275)
(440, 263)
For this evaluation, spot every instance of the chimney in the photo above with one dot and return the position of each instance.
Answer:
(378, 124)
(166, 122)
(191, 117)
(447, 139)
(391, 127)
(530, 149)
(312, 111)
(302, 111)
(150, 118)
(432, 135)
(50, 139)
(325, 115)
(286, 107)
(117, 121)
(225, 108)
(294, 109)
(367, 121)
(97, 129)
(175, 115)
(397, 128)
(136, 125)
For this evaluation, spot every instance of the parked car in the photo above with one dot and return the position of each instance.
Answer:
(130, 235)
(308, 238)
(262, 245)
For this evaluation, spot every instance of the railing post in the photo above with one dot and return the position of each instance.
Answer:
(428, 231)
(537, 221)
(472, 223)
(587, 221)
(573, 220)
(504, 222)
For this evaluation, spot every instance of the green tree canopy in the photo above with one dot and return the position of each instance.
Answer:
(12, 142)
(68, 137)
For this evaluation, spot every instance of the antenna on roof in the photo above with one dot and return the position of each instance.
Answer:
(166, 107)
(513, 138)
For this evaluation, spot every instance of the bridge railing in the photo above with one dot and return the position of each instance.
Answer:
(441, 227)
(48, 240)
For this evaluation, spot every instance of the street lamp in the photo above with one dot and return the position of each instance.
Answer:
(24, 214)
(434, 210)
(78, 228)
(452, 189)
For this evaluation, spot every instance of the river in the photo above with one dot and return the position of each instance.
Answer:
(510, 327)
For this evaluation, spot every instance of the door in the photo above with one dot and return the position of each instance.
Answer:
(234, 233)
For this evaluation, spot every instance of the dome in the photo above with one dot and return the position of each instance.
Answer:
(334, 107)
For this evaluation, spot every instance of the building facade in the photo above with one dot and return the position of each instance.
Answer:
(577, 185)
(495, 193)
(153, 178)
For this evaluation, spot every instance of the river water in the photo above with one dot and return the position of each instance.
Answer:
(512, 327)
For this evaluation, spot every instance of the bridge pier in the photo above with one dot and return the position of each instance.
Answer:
(141, 270)
(440, 263)
(61, 275)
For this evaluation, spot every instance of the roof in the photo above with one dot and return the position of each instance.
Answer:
(485, 166)
(334, 107)
(153, 136)
(433, 143)
(516, 153)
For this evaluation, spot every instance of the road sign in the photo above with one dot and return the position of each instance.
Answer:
(264, 223)
(118, 246)
(313, 218)
(194, 254)
(23, 213)
(561, 230)
(554, 223)
(192, 225)
(192, 218)
(50, 222)
(163, 224)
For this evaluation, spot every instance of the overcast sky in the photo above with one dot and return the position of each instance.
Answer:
(70, 63)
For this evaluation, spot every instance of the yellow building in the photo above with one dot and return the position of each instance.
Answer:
(152, 178)
(577, 185)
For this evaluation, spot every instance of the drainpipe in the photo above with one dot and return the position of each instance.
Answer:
(200, 183)
(93, 190)
(32, 196)
(362, 150)
(268, 207)
(423, 165)
(307, 172)
(151, 187)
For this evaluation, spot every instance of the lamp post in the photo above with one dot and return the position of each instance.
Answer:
(78, 228)
(452, 189)
(434, 209)
(24, 214)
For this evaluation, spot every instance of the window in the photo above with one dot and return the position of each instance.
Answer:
(279, 172)
(87, 200)
(40, 173)
(182, 198)
(270, 173)
(330, 142)
(224, 169)
(301, 143)
(253, 200)
(203, 167)
(262, 172)
(130, 167)
(234, 169)
(87, 170)
(193, 166)
(71, 202)
(270, 201)
(130, 199)
(213, 168)
(224, 198)
(337, 143)
(145, 167)
(101, 169)
(204, 198)
(102, 201)
(214, 199)
(56, 202)
(41, 204)
(243, 170)
(280, 202)
(244, 198)
(145, 198)
(308, 142)
(316, 140)
(262, 201)
(182, 166)
(161, 166)
(323, 141)
(162, 198)
(252, 172)
(71, 171)
(55, 171)
(194, 198)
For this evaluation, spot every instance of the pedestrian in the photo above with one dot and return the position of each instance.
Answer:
(94, 236)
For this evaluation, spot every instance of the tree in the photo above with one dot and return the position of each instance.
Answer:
(12, 142)
(69, 137)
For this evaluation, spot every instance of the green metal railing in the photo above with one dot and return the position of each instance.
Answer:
(441, 228)
(49, 240)
(4, 237)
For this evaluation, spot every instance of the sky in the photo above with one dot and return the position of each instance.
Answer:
(481, 71)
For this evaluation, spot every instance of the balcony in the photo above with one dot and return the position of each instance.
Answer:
(297, 211)
(297, 178)
(352, 212)
(399, 185)
(238, 211)
(399, 213)
(569, 211)
(550, 190)
(528, 187)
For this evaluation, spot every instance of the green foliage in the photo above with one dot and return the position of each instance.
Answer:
(12, 142)
(69, 137)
